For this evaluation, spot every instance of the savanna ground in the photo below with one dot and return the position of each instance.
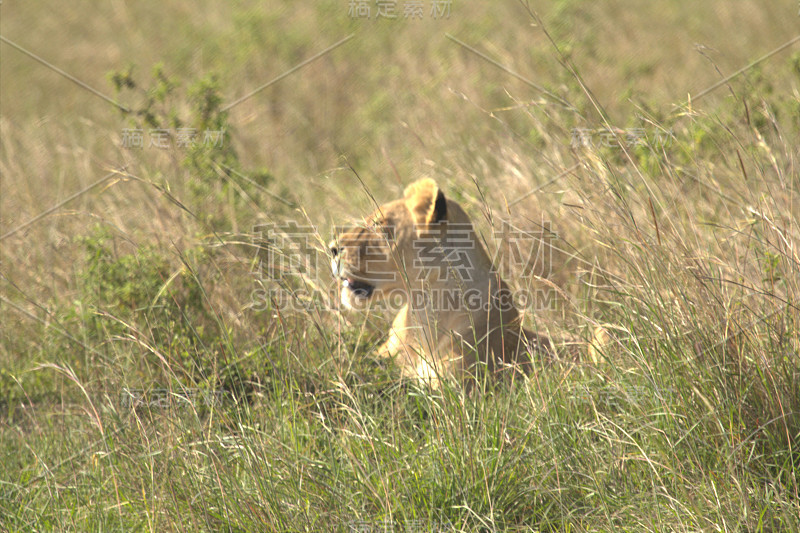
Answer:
(155, 376)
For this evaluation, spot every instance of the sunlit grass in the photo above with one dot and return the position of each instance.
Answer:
(159, 372)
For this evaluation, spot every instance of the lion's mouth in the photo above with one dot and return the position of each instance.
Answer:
(361, 289)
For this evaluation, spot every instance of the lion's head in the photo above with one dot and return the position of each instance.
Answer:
(406, 244)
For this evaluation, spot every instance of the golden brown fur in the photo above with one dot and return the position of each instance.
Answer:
(422, 252)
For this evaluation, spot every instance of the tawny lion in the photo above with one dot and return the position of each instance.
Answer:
(456, 316)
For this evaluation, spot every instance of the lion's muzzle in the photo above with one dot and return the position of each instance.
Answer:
(352, 288)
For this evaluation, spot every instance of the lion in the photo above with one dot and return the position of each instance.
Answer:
(456, 315)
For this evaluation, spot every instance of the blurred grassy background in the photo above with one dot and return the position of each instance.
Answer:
(686, 248)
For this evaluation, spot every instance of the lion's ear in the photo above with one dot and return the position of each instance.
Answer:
(426, 202)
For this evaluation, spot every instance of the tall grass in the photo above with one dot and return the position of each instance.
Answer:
(173, 356)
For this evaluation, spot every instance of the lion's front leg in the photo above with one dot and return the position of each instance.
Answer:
(401, 345)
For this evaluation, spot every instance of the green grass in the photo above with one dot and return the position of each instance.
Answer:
(170, 360)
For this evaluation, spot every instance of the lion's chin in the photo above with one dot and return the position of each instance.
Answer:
(353, 301)
(356, 294)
